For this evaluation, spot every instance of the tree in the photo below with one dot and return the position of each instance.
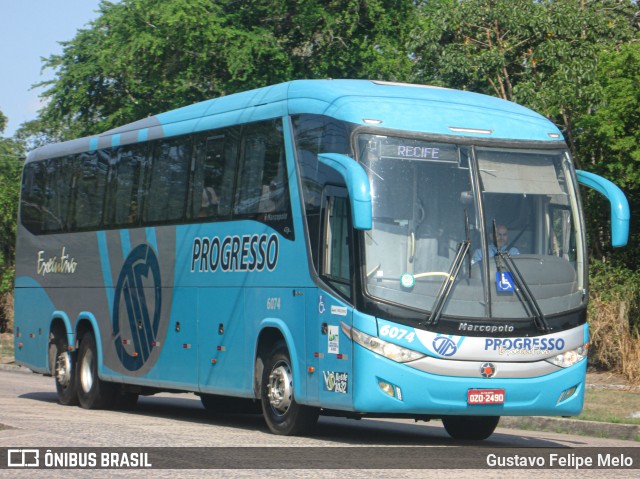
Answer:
(141, 57)
(609, 140)
(10, 169)
(540, 54)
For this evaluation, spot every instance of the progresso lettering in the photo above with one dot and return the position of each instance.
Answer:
(235, 253)
(537, 344)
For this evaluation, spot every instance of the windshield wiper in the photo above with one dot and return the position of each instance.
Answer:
(447, 284)
(522, 288)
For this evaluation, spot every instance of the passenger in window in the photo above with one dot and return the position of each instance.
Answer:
(209, 202)
(502, 234)
(133, 214)
(269, 198)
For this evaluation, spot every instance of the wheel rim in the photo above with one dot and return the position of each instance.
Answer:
(86, 373)
(63, 369)
(280, 388)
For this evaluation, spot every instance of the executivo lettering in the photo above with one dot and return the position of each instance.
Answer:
(56, 265)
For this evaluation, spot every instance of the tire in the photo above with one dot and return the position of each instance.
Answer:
(215, 405)
(64, 372)
(93, 393)
(282, 413)
(470, 428)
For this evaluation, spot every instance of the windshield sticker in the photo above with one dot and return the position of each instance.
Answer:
(504, 282)
(336, 382)
(333, 338)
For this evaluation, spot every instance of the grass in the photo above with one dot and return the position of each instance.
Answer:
(6, 347)
(611, 406)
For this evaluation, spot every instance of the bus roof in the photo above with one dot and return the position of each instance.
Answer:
(395, 106)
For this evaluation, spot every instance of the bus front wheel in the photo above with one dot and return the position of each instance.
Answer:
(93, 393)
(470, 428)
(281, 412)
(64, 372)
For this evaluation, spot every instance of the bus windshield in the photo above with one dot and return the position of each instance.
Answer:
(429, 198)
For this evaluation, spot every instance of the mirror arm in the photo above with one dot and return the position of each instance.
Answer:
(358, 186)
(619, 206)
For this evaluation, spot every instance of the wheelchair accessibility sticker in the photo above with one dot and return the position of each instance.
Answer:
(504, 282)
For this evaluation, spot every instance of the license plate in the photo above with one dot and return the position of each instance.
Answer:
(485, 396)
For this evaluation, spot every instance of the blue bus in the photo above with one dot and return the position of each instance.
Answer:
(338, 247)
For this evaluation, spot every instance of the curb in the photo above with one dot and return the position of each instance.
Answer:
(608, 430)
(15, 368)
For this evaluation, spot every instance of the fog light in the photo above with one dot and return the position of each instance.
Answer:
(387, 388)
(567, 394)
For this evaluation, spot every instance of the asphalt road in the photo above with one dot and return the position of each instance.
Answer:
(30, 417)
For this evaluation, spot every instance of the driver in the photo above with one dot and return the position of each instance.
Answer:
(503, 240)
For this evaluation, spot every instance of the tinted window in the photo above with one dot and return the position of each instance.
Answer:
(125, 198)
(90, 183)
(168, 181)
(214, 174)
(262, 184)
(262, 191)
(32, 198)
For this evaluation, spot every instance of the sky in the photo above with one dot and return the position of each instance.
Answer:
(29, 31)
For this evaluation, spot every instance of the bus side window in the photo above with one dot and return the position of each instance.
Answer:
(33, 197)
(168, 181)
(214, 174)
(90, 186)
(336, 264)
(262, 181)
(126, 183)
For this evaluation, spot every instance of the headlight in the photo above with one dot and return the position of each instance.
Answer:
(383, 348)
(569, 358)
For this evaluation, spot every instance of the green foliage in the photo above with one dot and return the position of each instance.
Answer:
(10, 169)
(540, 54)
(609, 142)
(142, 57)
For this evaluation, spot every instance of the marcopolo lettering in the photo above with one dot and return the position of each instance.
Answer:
(486, 328)
(538, 344)
(235, 253)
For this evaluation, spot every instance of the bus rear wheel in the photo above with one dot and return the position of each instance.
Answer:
(282, 413)
(64, 372)
(470, 428)
(93, 393)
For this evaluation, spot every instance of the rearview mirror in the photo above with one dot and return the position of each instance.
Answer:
(358, 187)
(619, 206)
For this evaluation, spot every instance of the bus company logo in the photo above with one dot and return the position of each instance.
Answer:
(487, 370)
(133, 316)
(444, 346)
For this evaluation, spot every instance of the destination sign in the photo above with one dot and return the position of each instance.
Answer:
(420, 150)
